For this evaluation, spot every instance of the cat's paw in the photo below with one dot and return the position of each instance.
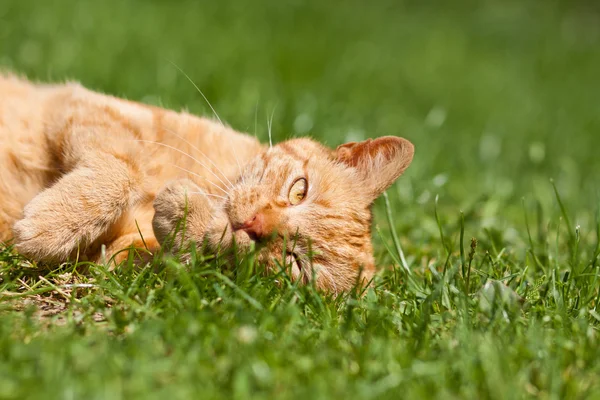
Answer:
(181, 207)
(43, 234)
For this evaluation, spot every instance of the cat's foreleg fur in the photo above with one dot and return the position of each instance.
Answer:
(102, 180)
(76, 210)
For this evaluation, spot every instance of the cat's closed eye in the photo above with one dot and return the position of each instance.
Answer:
(298, 191)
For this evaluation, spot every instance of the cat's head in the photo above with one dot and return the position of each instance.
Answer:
(313, 204)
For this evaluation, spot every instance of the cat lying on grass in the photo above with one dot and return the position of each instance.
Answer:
(80, 169)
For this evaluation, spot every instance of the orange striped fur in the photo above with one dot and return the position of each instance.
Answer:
(79, 170)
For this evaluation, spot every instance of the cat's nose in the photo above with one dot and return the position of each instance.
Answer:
(255, 227)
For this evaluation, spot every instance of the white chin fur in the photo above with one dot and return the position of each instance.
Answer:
(296, 272)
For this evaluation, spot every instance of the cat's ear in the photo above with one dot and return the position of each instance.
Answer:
(379, 162)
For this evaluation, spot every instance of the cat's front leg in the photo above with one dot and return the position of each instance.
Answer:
(77, 209)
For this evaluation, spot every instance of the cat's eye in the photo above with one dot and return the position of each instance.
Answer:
(298, 191)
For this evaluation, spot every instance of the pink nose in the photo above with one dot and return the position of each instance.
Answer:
(255, 227)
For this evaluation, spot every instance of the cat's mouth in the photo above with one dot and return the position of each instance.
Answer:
(292, 261)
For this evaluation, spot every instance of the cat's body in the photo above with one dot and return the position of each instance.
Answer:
(47, 131)
(80, 169)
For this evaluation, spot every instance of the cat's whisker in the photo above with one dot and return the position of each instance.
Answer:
(238, 164)
(201, 177)
(214, 112)
(185, 154)
(201, 152)
(209, 194)
(270, 127)
(256, 119)
(199, 91)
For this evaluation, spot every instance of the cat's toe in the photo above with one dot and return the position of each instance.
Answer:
(39, 241)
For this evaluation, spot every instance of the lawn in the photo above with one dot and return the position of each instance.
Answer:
(502, 101)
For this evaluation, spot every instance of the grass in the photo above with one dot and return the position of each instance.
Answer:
(501, 100)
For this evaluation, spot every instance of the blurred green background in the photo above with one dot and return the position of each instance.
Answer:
(498, 96)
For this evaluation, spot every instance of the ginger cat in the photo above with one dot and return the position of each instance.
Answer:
(79, 169)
